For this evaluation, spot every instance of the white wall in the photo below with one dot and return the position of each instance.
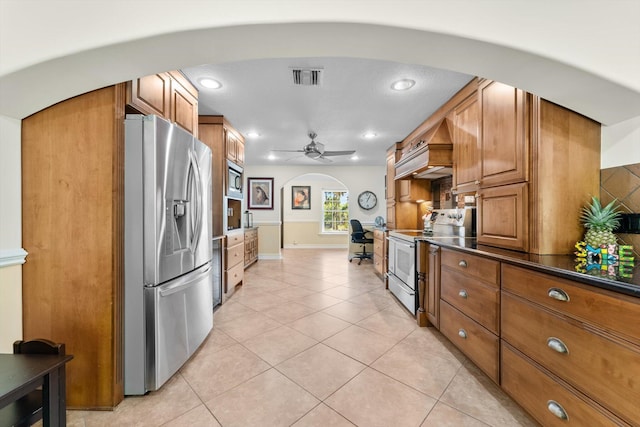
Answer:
(621, 144)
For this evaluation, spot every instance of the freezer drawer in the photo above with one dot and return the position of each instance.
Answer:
(179, 318)
(403, 293)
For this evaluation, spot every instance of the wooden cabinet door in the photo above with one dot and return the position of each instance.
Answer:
(433, 287)
(231, 143)
(240, 152)
(151, 94)
(391, 176)
(503, 136)
(391, 214)
(184, 108)
(503, 217)
(413, 190)
(466, 152)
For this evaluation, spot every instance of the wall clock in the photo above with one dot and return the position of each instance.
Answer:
(367, 200)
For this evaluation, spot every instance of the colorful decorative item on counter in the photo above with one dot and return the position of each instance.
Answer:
(610, 260)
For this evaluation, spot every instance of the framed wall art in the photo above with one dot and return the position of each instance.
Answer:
(301, 197)
(260, 193)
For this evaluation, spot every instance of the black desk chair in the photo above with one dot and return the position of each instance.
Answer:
(358, 236)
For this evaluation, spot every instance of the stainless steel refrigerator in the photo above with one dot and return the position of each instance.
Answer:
(168, 274)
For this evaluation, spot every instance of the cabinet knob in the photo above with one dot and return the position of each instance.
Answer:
(556, 344)
(463, 263)
(556, 409)
(476, 182)
(463, 294)
(462, 334)
(558, 294)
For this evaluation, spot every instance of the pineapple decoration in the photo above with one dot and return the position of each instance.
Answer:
(599, 253)
(600, 223)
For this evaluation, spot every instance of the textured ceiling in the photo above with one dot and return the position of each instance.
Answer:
(354, 97)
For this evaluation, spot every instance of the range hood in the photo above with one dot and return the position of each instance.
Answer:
(429, 157)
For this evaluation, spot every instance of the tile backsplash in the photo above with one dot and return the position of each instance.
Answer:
(623, 183)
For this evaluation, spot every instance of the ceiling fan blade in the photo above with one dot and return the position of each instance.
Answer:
(323, 159)
(289, 151)
(338, 153)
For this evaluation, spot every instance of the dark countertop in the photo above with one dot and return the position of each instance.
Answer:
(563, 266)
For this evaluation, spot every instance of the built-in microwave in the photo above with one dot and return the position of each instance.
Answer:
(234, 180)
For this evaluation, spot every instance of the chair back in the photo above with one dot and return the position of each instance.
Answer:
(38, 346)
(357, 232)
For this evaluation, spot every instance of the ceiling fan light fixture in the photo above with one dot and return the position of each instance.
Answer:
(210, 83)
(403, 84)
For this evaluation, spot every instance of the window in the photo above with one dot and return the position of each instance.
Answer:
(335, 211)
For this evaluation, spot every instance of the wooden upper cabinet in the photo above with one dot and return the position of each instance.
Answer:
(235, 147)
(168, 95)
(503, 134)
(391, 175)
(466, 151)
(503, 217)
(184, 103)
(151, 94)
(414, 190)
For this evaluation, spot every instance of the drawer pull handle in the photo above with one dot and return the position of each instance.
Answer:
(556, 409)
(463, 263)
(556, 344)
(558, 294)
(462, 334)
(463, 294)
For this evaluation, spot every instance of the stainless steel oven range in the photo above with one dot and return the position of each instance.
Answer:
(446, 224)
(401, 272)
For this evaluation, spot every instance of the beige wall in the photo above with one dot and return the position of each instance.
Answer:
(10, 307)
(308, 235)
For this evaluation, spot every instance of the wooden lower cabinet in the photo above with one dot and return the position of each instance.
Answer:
(585, 352)
(250, 246)
(379, 252)
(474, 340)
(546, 398)
(234, 262)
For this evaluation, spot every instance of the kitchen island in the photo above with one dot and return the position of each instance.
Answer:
(562, 343)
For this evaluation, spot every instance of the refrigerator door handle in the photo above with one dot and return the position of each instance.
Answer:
(198, 202)
(179, 286)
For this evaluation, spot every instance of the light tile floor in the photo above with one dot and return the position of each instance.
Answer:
(313, 340)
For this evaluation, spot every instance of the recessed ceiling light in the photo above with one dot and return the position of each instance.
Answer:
(253, 134)
(271, 157)
(210, 83)
(370, 135)
(403, 84)
(354, 157)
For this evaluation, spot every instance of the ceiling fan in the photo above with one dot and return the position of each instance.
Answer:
(315, 150)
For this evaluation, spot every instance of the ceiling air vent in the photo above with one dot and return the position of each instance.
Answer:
(307, 76)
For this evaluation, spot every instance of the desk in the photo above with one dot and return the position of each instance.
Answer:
(21, 374)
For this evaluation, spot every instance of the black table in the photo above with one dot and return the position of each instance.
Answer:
(21, 375)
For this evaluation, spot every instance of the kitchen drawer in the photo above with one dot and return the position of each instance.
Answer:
(482, 268)
(478, 343)
(606, 370)
(378, 245)
(235, 238)
(609, 310)
(473, 297)
(538, 394)
(378, 263)
(234, 276)
(235, 255)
